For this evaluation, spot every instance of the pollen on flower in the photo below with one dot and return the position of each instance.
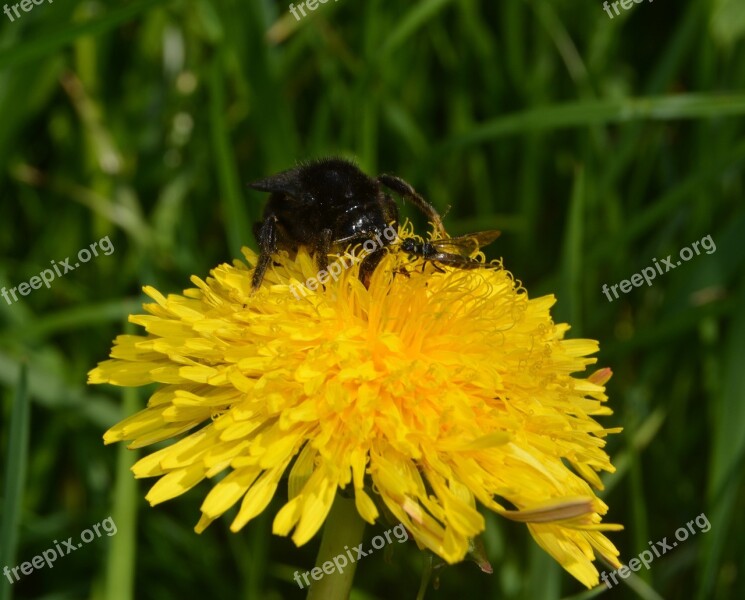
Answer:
(424, 393)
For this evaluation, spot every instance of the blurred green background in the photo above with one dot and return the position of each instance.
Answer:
(594, 144)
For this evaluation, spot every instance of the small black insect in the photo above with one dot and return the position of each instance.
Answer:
(326, 205)
(455, 252)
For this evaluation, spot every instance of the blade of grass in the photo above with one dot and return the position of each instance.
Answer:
(671, 328)
(45, 45)
(728, 445)
(543, 580)
(236, 219)
(615, 110)
(420, 13)
(76, 317)
(568, 307)
(668, 63)
(51, 391)
(660, 208)
(643, 436)
(120, 562)
(15, 475)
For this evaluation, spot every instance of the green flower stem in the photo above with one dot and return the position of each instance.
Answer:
(343, 529)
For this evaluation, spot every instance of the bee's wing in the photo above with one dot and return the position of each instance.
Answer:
(465, 245)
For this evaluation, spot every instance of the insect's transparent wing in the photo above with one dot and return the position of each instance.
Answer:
(465, 245)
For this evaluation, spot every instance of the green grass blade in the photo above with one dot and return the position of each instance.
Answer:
(45, 45)
(77, 317)
(578, 114)
(728, 448)
(15, 476)
(120, 562)
(236, 219)
(419, 14)
(569, 296)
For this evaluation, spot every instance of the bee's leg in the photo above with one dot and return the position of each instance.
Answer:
(403, 188)
(390, 213)
(266, 235)
(437, 267)
(321, 249)
(367, 267)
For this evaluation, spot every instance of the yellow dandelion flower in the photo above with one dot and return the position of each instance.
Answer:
(426, 393)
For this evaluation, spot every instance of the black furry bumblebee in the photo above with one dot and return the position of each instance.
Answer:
(326, 205)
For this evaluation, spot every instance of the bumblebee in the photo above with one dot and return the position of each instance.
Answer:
(326, 205)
